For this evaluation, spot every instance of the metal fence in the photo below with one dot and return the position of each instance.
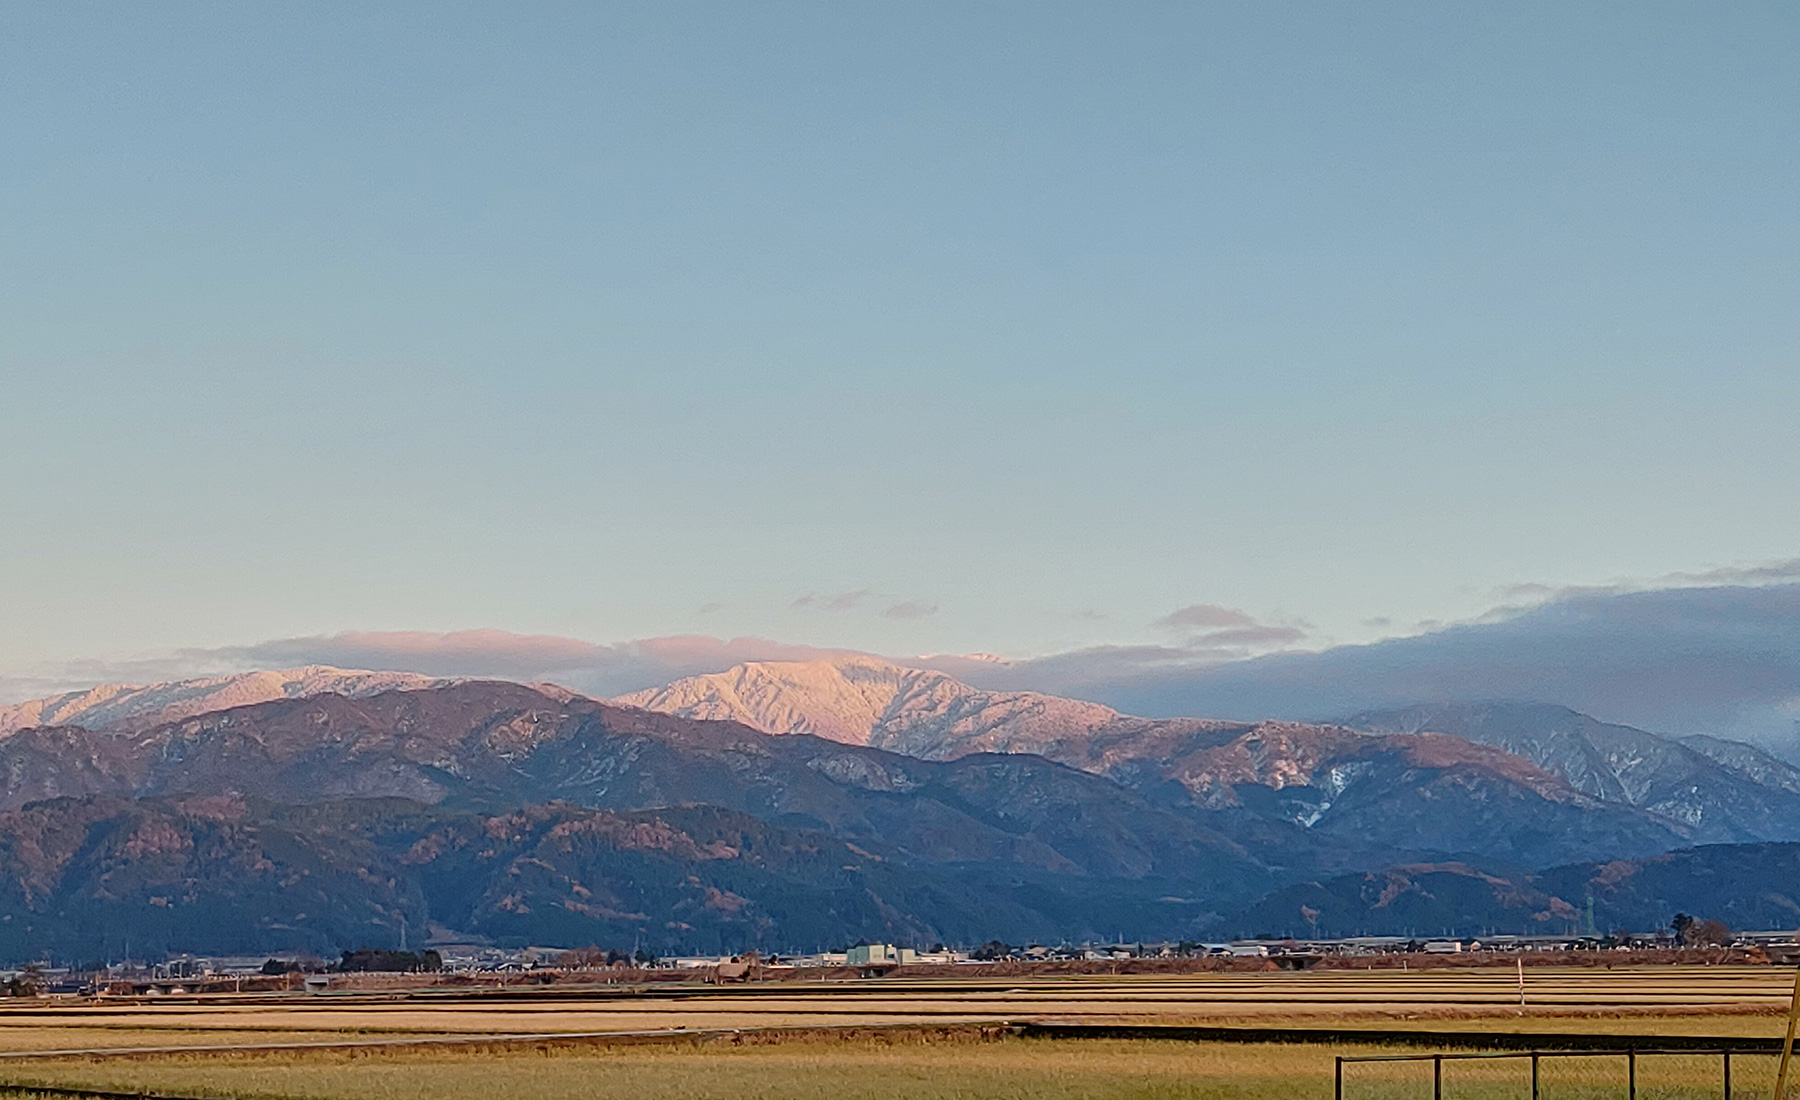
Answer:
(1537, 1058)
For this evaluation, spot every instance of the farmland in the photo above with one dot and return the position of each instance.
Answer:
(883, 1038)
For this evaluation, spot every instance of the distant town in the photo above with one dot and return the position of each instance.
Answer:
(192, 974)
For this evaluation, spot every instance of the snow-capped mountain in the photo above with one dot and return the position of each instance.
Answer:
(918, 712)
(111, 706)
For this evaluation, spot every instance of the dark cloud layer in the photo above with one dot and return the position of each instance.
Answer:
(1720, 659)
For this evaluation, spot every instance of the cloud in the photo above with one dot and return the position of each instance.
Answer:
(1264, 636)
(17, 689)
(1722, 659)
(709, 608)
(843, 601)
(1213, 628)
(457, 653)
(910, 609)
(1518, 597)
(1204, 616)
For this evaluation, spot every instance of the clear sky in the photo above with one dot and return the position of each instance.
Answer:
(1005, 327)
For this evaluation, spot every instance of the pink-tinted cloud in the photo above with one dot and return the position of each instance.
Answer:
(455, 653)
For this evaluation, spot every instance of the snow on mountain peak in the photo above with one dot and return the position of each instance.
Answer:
(868, 701)
(114, 705)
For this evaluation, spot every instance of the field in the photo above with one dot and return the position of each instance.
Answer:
(882, 1038)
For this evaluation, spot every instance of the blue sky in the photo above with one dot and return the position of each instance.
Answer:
(987, 327)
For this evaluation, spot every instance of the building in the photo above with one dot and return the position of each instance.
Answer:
(879, 954)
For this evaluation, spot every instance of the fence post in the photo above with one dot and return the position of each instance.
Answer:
(1727, 1075)
(1787, 1044)
(1534, 1075)
(1631, 1074)
(1437, 1077)
(1338, 1088)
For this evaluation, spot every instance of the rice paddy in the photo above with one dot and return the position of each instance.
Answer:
(900, 1039)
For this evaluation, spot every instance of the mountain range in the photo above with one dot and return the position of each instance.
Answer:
(122, 705)
(105, 878)
(1021, 839)
(787, 804)
(1723, 791)
(1563, 769)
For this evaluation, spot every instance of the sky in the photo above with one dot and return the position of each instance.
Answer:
(928, 328)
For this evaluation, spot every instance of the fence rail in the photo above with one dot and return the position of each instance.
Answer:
(1630, 1055)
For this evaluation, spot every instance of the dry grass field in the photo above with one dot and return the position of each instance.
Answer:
(948, 1058)
(817, 1069)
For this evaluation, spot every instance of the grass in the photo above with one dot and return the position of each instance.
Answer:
(803, 1070)
(1659, 1077)
(965, 1069)
(1706, 1001)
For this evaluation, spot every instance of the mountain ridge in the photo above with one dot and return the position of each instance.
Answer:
(100, 878)
(1214, 816)
(1748, 886)
(1389, 790)
(494, 745)
(134, 705)
(1723, 791)
(867, 701)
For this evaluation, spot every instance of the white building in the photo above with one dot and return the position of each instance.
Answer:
(879, 954)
